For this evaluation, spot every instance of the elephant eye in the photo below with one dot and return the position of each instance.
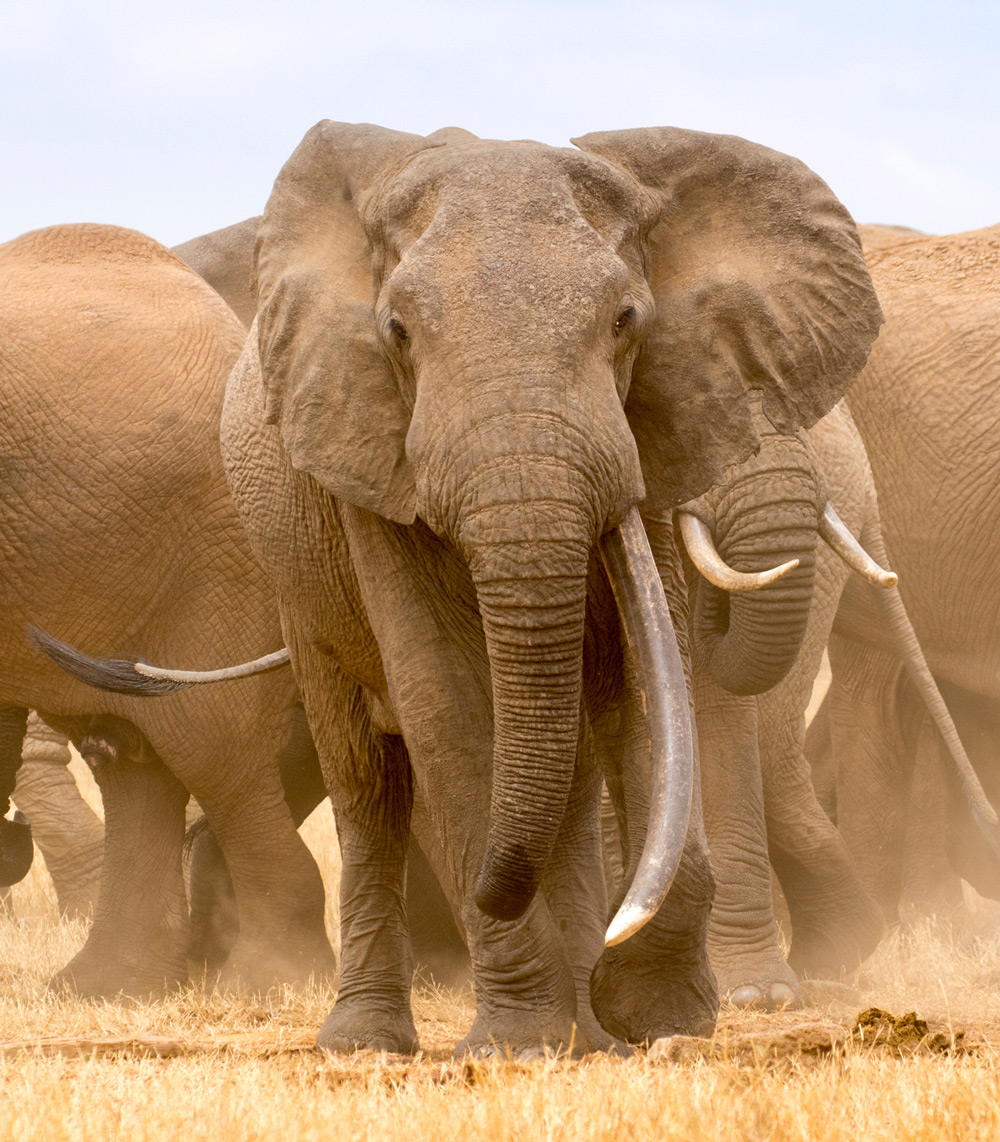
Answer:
(397, 331)
(625, 319)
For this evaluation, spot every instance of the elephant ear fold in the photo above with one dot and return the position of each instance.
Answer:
(327, 384)
(759, 283)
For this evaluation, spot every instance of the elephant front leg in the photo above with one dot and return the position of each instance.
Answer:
(368, 777)
(658, 982)
(373, 1000)
(137, 944)
(743, 937)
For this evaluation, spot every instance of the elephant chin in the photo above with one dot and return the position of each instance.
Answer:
(16, 849)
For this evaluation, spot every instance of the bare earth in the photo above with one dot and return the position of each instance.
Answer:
(202, 1066)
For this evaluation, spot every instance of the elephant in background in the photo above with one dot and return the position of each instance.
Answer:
(927, 406)
(68, 832)
(118, 531)
(425, 469)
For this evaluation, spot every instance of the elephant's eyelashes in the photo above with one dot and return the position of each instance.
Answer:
(625, 319)
(397, 331)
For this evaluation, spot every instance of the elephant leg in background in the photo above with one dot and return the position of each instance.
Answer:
(68, 832)
(439, 949)
(835, 923)
(929, 883)
(871, 752)
(279, 892)
(743, 938)
(939, 819)
(137, 944)
(140, 934)
(215, 925)
(819, 756)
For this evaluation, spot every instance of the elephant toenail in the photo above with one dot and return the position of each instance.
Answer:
(781, 994)
(746, 996)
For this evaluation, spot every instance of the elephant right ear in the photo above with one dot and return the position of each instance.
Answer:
(327, 384)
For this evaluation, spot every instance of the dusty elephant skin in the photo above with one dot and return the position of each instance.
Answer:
(118, 532)
(927, 406)
(470, 360)
(760, 805)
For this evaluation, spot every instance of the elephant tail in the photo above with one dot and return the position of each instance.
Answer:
(893, 611)
(117, 675)
(134, 676)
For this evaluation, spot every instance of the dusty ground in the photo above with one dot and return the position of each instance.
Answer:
(200, 1066)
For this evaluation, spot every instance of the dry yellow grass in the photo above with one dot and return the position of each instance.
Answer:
(246, 1071)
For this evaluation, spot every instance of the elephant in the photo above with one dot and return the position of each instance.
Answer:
(117, 528)
(471, 361)
(747, 743)
(926, 406)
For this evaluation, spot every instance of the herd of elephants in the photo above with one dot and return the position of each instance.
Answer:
(556, 471)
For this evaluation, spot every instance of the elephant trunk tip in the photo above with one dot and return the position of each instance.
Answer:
(506, 883)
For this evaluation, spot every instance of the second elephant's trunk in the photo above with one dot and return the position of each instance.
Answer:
(749, 641)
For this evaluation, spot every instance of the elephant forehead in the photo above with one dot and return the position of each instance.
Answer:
(501, 186)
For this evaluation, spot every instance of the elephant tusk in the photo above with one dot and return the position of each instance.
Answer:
(706, 558)
(652, 640)
(243, 670)
(837, 535)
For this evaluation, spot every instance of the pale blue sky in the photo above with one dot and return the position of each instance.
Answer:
(175, 118)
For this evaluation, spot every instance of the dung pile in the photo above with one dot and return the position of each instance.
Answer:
(873, 1030)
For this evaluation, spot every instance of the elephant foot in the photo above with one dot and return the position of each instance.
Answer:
(838, 942)
(518, 1035)
(763, 983)
(253, 970)
(352, 1027)
(640, 1002)
(91, 975)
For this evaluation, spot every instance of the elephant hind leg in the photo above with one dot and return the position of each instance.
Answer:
(137, 944)
(68, 832)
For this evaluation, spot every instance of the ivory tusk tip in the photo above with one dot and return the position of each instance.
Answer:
(887, 579)
(145, 670)
(628, 920)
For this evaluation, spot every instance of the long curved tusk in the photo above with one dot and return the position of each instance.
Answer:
(258, 666)
(649, 630)
(706, 558)
(837, 535)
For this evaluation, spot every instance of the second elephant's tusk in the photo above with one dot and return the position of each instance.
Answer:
(258, 666)
(701, 547)
(837, 535)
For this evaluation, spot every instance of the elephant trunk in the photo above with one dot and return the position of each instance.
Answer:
(532, 599)
(16, 849)
(749, 641)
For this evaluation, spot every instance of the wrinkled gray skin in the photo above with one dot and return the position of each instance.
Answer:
(68, 832)
(927, 406)
(760, 805)
(755, 780)
(118, 533)
(424, 469)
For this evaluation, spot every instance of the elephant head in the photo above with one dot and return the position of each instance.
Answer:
(516, 344)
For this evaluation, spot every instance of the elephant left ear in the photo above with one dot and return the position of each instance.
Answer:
(760, 284)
